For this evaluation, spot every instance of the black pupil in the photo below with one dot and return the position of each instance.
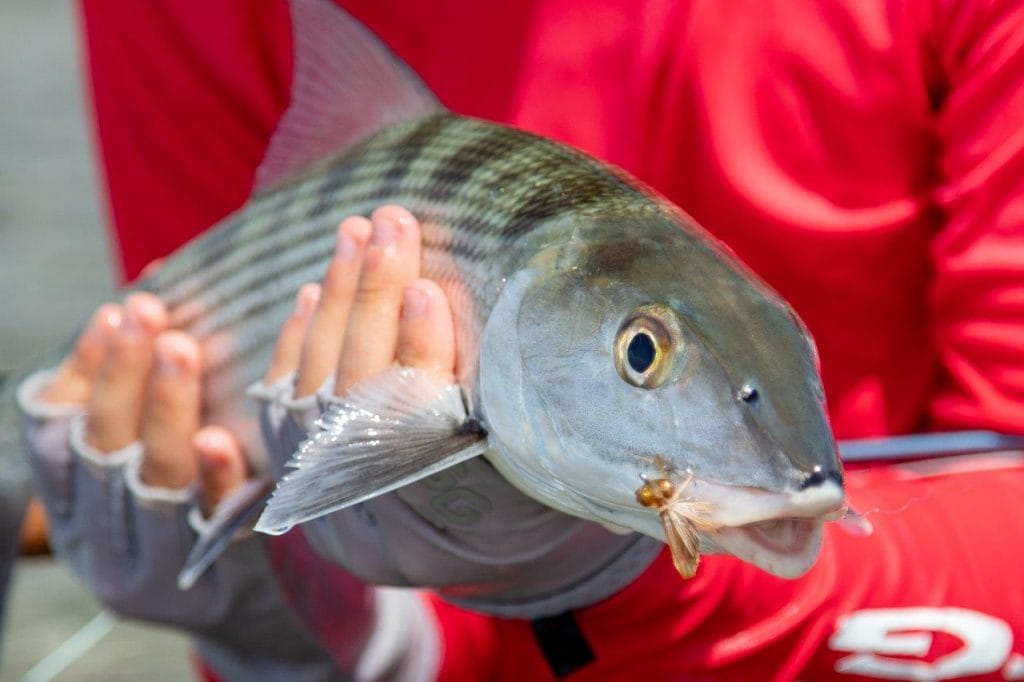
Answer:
(640, 353)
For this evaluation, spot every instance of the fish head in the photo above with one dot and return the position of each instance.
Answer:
(623, 356)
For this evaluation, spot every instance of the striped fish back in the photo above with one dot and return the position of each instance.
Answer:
(479, 189)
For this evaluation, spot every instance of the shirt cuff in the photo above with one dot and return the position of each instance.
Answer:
(35, 407)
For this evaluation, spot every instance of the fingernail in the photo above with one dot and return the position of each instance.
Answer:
(208, 444)
(414, 303)
(352, 235)
(168, 363)
(112, 319)
(385, 232)
(306, 300)
(345, 249)
(131, 325)
(146, 311)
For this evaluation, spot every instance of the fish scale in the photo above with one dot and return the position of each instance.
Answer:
(286, 217)
(477, 187)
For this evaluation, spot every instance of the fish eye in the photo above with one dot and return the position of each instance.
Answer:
(644, 346)
(641, 352)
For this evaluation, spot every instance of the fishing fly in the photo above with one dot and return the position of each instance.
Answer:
(682, 519)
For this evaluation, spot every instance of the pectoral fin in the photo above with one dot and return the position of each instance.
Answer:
(388, 432)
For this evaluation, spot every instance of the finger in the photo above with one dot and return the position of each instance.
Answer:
(288, 349)
(222, 465)
(327, 329)
(151, 267)
(171, 415)
(426, 337)
(74, 378)
(392, 260)
(116, 402)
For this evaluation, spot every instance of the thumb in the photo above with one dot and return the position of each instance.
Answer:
(222, 465)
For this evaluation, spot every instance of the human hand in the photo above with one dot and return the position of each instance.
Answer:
(139, 382)
(114, 438)
(370, 312)
(373, 310)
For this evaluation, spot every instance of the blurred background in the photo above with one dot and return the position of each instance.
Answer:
(54, 269)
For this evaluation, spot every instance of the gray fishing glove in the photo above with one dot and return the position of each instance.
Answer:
(127, 541)
(464, 531)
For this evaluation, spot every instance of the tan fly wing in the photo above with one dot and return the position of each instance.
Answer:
(683, 541)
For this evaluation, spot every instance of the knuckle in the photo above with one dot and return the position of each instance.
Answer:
(126, 349)
(394, 212)
(378, 296)
(166, 465)
(108, 437)
(167, 396)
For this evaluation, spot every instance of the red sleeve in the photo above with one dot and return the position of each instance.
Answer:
(978, 257)
(184, 102)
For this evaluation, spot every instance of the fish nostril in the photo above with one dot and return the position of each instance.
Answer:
(748, 394)
(819, 476)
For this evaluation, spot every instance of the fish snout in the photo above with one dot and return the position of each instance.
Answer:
(778, 531)
(821, 476)
(821, 495)
(734, 506)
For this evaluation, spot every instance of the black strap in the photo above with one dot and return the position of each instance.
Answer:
(562, 643)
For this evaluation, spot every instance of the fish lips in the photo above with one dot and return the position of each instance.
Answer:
(778, 532)
(786, 548)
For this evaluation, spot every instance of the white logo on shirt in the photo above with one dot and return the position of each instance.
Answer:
(876, 635)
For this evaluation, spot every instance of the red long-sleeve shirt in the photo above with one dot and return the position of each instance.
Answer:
(865, 157)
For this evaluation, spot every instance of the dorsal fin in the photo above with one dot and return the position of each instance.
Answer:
(346, 85)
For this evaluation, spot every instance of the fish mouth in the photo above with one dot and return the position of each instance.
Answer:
(786, 548)
(780, 533)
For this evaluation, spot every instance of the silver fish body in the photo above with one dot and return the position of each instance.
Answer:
(546, 254)
(616, 362)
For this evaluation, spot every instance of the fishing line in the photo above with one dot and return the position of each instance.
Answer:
(907, 504)
(917, 499)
